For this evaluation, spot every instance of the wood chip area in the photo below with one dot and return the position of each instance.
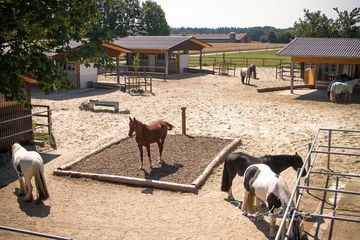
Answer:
(185, 158)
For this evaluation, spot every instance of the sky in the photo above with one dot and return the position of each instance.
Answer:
(250, 13)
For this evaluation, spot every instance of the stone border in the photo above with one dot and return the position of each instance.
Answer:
(192, 188)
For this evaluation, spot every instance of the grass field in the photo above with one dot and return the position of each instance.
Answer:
(233, 54)
(259, 58)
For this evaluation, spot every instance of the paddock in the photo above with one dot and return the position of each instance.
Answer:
(216, 106)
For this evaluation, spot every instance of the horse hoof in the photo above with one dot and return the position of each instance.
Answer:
(230, 198)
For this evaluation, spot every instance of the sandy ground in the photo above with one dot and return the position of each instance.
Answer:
(219, 106)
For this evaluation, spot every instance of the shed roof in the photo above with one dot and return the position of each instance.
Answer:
(323, 48)
(161, 43)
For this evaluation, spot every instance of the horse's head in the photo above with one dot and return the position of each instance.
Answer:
(298, 163)
(132, 126)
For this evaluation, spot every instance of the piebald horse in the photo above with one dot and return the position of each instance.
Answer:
(146, 134)
(246, 73)
(238, 162)
(28, 164)
(262, 184)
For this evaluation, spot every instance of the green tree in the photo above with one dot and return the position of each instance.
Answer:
(314, 24)
(32, 30)
(152, 20)
(271, 37)
(347, 24)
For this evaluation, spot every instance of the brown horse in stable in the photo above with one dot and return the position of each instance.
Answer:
(146, 134)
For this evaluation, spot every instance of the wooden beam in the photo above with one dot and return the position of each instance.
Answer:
(115, 47)
(148, 50)
(198, 42)
(166, 63)
(27, 79)
(326, 60)
(292, 77)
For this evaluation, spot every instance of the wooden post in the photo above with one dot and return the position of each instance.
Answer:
(166, 62)
(183, 120)
(200, 59)
(117, 69)
(292, 77)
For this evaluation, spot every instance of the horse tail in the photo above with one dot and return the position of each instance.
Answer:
(169, 126)
(249, 202)
(225, 186)
(40, 181)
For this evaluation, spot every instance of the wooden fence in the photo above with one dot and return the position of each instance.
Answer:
(15, 124)
(239, 61)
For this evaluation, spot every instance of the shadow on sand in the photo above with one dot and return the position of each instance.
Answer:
(32, 209)
(7, 172)
(321, 96)
(70, 93)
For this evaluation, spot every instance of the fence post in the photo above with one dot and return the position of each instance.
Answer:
(183, 118)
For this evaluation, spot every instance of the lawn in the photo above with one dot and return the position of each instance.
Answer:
(259, 58)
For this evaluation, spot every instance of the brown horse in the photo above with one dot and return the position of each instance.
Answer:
(146, 134)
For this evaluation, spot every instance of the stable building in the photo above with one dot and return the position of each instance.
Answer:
(167, 54)
(324, 59)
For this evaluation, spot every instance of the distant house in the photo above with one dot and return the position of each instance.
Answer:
(222, 38)
(168, 54)
(325, 59)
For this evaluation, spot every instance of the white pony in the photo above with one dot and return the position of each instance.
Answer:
(262, 183)
(342, 87)
(28, 164)
(246, 73)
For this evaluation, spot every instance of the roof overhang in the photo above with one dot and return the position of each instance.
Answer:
(199, 42)
(326, 60)
(115, 47)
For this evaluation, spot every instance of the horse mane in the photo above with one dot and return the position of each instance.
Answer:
(273, 161)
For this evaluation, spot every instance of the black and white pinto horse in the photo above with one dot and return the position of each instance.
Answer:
(238, 162)
(28, 164)
(247, 73)
(262, 184)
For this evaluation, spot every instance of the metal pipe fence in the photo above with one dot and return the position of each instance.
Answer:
(309, 163)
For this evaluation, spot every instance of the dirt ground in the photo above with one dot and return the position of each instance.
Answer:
(184, 159)
(217, 106)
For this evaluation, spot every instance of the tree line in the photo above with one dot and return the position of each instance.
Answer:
(263, 34)
(313, 24)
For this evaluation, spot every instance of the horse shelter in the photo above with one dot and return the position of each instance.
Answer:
(323, 59)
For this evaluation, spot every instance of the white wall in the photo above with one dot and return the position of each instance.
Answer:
(184, 61)
(87, 74)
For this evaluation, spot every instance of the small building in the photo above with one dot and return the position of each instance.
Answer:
(168, 54)
(79, 74)
(324, 59)
(222, 38)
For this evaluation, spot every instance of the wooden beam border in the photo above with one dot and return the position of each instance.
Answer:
(143, 182)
